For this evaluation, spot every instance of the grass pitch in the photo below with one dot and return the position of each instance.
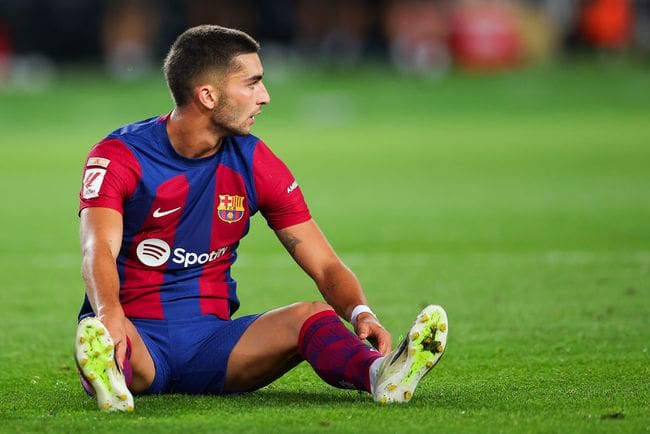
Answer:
(520, 202)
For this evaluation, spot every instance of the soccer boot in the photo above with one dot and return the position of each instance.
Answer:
(401, 370)
(95, 356)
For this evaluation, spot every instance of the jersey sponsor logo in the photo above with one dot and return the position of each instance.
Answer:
(292, 187)
(153, 252)
(92, 183)
(182, 256)
(159, 213)
(98, 161)
(231, 208)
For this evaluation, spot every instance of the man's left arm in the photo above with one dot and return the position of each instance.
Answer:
(338, 284)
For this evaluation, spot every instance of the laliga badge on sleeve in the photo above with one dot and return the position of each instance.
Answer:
(93, 179)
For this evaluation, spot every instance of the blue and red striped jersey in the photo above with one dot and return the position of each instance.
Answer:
(183, 218)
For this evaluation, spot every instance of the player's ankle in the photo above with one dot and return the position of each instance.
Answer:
(374, 372)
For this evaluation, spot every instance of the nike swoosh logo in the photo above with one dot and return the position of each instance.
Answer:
(158, 213)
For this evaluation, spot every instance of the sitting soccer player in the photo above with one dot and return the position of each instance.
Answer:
(164, 204)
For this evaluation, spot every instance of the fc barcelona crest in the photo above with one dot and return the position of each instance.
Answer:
(231, 208)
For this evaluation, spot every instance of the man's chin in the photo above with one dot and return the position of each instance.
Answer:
(243, 131)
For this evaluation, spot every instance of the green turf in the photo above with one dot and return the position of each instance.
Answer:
(520, 202)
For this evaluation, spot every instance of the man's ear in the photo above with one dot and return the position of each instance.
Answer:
(207, 96)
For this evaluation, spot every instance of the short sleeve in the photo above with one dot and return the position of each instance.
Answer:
(279, 197)
(111, 174)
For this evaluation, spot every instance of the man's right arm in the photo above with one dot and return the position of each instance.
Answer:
(101, 238)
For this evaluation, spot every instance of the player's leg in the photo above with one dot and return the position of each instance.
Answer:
(268, 348)
(141, 362)
(278, 340)
(94, 354)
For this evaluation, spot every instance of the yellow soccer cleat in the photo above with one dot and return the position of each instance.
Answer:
(401, 370)
(94, 353)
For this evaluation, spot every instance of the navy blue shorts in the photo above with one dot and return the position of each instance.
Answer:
(191, 356)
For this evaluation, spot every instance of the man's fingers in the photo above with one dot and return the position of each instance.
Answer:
(120, 353)
(382, 340)
(115, 324)
(376, 334)
(363, 331)
(385, 343)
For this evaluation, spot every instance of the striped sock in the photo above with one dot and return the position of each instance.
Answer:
(337, 355)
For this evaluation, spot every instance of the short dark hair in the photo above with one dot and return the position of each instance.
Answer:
(200, 50)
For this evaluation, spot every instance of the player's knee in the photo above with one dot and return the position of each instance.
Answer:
(307, 309)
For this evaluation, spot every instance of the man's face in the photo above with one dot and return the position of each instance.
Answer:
(242, 96)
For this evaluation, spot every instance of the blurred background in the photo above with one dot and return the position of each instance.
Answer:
(490, 156)
(430, 37)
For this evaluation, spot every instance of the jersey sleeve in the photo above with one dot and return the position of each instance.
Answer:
(279, 197)
(111, 174)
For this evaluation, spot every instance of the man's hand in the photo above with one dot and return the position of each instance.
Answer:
(368, 327)
(116, 325)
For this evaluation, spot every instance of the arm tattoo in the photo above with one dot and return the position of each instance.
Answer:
(289, 241)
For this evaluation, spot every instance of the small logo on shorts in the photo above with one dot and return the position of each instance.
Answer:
(231, 208)
(153, 252)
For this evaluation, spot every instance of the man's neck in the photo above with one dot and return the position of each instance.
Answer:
(191, 133)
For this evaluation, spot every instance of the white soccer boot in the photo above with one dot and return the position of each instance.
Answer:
(401, 370)
(94, 353)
